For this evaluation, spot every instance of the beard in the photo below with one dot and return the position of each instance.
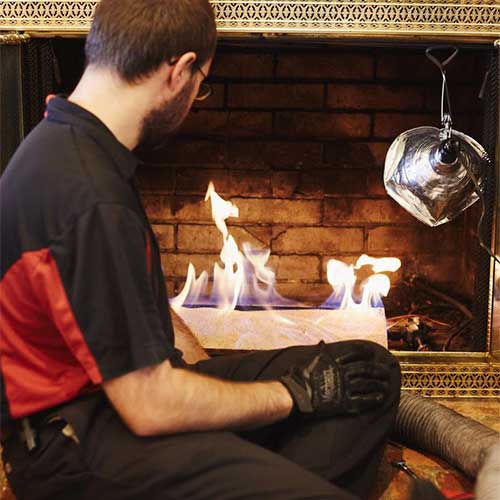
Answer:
(161, 122)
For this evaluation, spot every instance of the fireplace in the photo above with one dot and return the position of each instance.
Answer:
(297, 139)
(295, 134)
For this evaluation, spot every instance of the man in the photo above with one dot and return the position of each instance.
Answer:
(98, 402)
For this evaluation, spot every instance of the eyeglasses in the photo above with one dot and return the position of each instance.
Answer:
(205, 89)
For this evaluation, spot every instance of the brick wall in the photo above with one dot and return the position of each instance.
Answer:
(297, 137)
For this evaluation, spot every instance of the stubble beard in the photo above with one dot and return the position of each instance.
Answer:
(160, 123)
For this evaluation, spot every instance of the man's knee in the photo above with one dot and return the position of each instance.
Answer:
(379, 354)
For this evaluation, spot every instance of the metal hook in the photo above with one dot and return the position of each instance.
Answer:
(441, 64)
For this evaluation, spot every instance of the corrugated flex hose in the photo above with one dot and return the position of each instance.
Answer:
(426, 425)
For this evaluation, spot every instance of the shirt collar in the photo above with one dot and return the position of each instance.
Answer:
(61, 110)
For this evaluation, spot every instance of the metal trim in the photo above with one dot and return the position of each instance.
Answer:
(479, 19)
(13, 38)
(451, 379)
(434, 375)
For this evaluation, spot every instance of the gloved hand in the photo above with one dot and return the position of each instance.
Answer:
(346, 385)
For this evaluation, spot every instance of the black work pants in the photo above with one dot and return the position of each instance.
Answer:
(335, 458)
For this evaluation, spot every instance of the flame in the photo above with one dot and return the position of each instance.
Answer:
(221, 210)
(374, 287)
(245, 280)
(342, 278)
(391, 264)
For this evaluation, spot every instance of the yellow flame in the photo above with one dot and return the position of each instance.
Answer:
(342, 279)
(245, 275)
(221, 210)
(379, 265)
(377, 284)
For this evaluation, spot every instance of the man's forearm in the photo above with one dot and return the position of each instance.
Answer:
(173, 400)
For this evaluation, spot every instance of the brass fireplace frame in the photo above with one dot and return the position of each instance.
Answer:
(474, 20)
(465, 374)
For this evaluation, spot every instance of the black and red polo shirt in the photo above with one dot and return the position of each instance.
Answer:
(82, 295)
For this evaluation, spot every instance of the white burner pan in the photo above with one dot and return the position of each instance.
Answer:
(249, 330)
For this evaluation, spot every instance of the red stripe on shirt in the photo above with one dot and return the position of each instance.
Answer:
(44, 358)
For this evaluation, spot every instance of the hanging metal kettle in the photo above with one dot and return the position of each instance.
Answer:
(435, 174)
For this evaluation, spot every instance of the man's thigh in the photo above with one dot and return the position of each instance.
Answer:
(203, 465)
(345, 450)
(266, 365)
(109, 462)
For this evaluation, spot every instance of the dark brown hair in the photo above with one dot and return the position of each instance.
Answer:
(133, 37)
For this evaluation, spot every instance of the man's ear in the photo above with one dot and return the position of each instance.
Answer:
(182, 71)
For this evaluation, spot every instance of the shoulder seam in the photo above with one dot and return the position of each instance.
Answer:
(71, 225)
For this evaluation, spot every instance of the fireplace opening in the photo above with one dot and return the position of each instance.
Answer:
(296, 137)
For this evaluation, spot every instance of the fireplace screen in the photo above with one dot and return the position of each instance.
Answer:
(307, 245)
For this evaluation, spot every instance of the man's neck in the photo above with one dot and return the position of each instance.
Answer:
(119, 105)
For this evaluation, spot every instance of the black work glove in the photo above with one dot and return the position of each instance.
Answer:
(347, 385)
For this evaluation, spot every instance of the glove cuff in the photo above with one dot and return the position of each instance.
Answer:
(299, 394)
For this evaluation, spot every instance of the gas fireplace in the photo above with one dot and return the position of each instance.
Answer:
(297, 228)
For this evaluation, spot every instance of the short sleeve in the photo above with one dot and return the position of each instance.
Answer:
(101, 261)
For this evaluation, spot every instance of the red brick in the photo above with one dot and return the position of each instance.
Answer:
(365, 211)
(318, 240)
(257, 236)
(393, 240)
(278, 211)
(332, 181)
(375, 181)
(159, 179)
(186, 208)
(265, 154)
(404, 65)
(214, 100)
(196, 238)
(285, 183)
(154, 206)
(447, 270)
(249, 183)
(208, 238)
(463, 98)
(391, 125)
(325, 64)
(165, 236)
(227, 182)
(296, 267)
(379, 152)
(314, 124)
(179, 151)
(356, 154)
(275, 95)
(374, 96)
(243, 123)
(205, 122)
(414, 238)
(241, 65)
(196, 180)
(469, 123)
(344, 154)
(175, 265)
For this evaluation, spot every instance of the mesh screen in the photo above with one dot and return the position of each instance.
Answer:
(39, 65)
(490, 138)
